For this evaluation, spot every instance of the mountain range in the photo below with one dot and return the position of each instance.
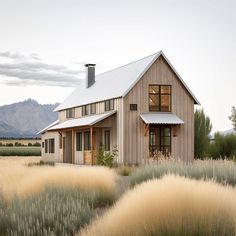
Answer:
(25, 119)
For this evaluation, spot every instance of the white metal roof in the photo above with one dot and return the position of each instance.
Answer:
(114, 83)
(49, 126)
(161, 118)
(83, 121)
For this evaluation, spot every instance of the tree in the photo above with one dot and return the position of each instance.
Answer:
(233, 117)
(202, 129)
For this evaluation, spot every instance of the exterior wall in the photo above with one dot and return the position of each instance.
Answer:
(51, 156)
(112, 123)
(136, 145)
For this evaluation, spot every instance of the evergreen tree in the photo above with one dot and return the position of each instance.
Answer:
(233, 117)
(202, 130)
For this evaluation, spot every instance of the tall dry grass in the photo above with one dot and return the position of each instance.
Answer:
(172, 205)
(18, 179)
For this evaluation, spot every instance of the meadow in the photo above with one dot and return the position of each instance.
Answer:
(20, 151)
(164, 198)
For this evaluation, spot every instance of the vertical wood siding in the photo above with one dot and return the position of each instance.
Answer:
(135, 143)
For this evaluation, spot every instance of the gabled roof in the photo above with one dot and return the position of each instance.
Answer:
(49, 126)
(115, 83)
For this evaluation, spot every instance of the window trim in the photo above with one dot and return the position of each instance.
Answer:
(91, 108)
(159, 94)
(87, 146)
(111, 105)
(70, 113)
(79, 141)
(85, 110)
(107, 142)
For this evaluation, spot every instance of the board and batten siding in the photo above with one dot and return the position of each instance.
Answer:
(136, 145)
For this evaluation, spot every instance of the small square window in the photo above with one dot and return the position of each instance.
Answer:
(109, 105)
(85, 110)
(133, 107)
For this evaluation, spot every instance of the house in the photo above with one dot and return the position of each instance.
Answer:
(143, 109)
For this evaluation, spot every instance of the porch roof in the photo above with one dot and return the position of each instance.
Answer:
(161, 118)
(83, 121)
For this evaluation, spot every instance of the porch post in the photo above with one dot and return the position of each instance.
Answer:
(72, 150)
(91, 144)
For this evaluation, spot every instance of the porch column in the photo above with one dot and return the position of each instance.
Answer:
(72, 148)
(91, 144)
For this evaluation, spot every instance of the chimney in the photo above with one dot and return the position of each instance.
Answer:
(90, 74)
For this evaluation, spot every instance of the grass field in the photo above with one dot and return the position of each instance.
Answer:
(167, 198)
(20, 151)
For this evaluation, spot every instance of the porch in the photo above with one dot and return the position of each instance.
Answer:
(80, 139)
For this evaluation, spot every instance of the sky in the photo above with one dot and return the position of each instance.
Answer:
(45, 44)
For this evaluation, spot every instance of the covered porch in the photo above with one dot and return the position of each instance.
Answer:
(80, 139)
(159, 129)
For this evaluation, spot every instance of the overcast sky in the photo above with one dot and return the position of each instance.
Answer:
(45, 43)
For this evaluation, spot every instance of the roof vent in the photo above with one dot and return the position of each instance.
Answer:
(90, 74)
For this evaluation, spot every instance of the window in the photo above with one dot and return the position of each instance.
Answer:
(87, 141)
(60, 140)
(159, 140)
(160, 98)
(133, 107)
(42, 144)
(46, 146)
(85, 110)
(70, 113)
(93, 108)
(107, 140)
(51, 145)
(109, 105)
(79, 141)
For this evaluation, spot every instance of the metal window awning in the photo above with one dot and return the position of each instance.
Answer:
(161, 118)
(83, 121)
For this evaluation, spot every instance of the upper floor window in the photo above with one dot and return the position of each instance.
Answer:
(70, 113)
(85, 110)
(109, 105)
(93, 108)
(160, 98)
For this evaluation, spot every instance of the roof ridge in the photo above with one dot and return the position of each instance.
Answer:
(159, 52)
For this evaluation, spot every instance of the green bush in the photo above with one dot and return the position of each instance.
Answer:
(20, 151)
(30, 144)
(106, 158)
(37, 144)
(9, 144)
(220, 171)
(223, 146)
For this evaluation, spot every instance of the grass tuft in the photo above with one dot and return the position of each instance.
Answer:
(170, 206)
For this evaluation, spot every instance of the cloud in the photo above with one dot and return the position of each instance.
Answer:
(25, 70)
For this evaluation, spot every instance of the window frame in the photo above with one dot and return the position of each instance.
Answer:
(109, 105)
(93, 105)
(159, 97)
(87, 141)
(107, 140)
(70, 113)
(79, 141)
(85, 110)
(133, 107)
(158, 135)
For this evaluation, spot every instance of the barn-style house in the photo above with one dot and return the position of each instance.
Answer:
(144, 109)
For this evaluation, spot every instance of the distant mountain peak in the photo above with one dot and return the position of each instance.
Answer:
(25, 118)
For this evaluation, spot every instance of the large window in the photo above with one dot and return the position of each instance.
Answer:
(70, 113)
(87, 141)
(85, 110)
(79, 141)
(159, 140)
(107, 140)
(46, 146)
(160, 98)
(109, 105)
